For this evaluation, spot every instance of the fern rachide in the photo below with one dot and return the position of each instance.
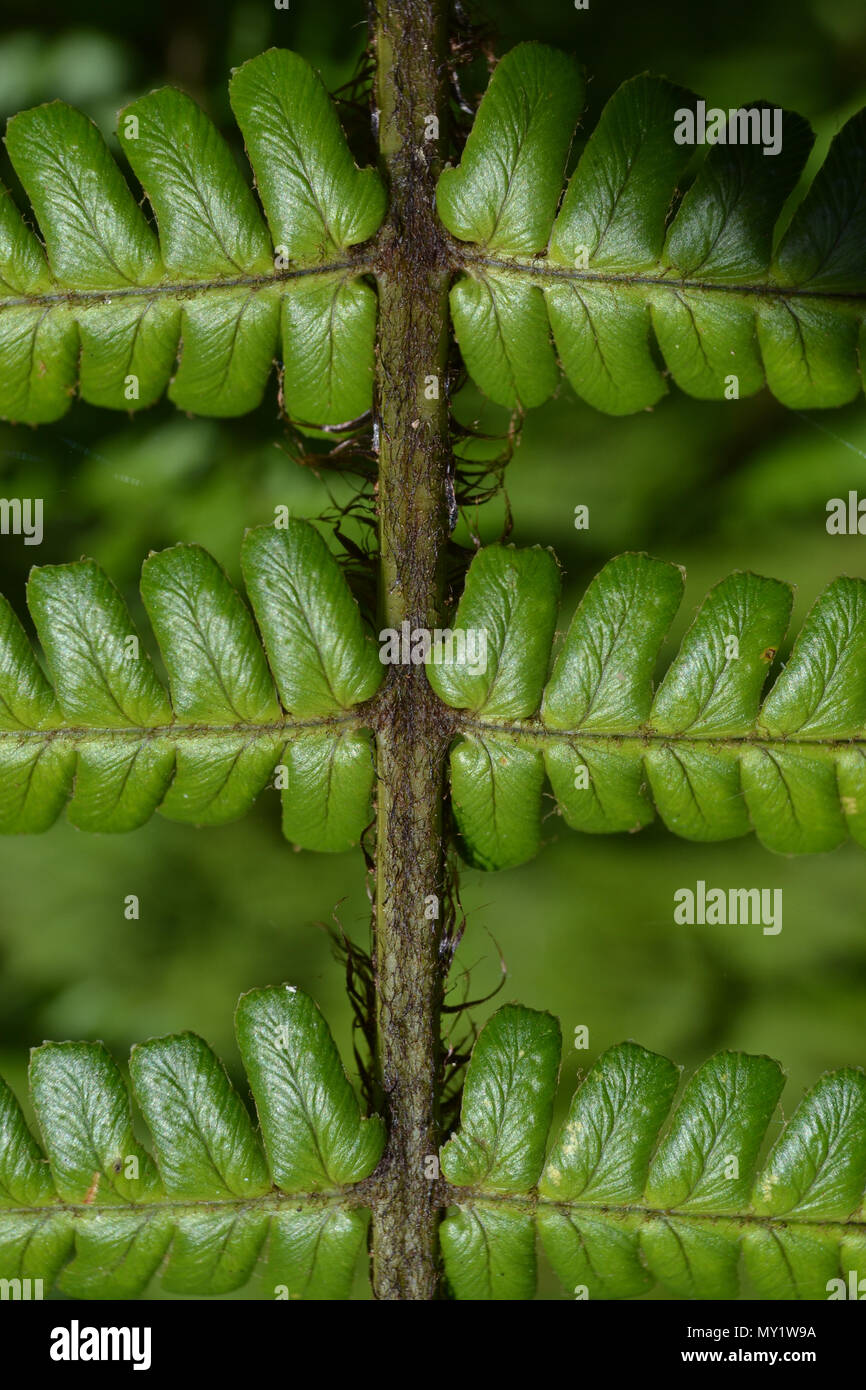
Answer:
(623, 1199)
(710, 267)
(643, 246)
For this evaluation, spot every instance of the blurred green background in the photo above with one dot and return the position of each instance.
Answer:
(587, 929)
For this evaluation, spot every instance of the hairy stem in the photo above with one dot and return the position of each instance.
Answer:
(412, 418)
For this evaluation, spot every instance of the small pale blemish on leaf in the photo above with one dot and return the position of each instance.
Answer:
(767, 1186)
(90, 1194)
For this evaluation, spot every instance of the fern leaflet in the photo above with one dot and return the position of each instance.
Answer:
(107, 737)
(703, 749)
(732, 298)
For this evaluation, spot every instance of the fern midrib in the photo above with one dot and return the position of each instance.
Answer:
(533, 1202)
(273, 1202)
(460, 722)
(179, 732)
(181, 289)
(528, 732)
(463, 256)
(357, 1196)
(541, 269)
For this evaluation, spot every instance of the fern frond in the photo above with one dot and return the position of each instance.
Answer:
(219, 1202)
(628, 1198)
(108, 738)
(704, 750)
(630, 261)
(110, 306)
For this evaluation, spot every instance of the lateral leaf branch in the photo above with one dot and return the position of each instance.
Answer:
(627, 1195)
(710, 749)
(654, 248)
